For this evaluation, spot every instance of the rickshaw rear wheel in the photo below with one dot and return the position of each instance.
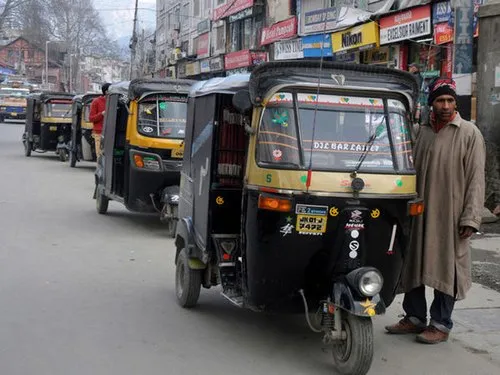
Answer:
(172, 221)
(101, 202)
(187, 282)
(354, 355)
(27, 148)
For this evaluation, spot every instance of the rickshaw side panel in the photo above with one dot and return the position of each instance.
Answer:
(201, 165)
(279, 260)
(109, 133)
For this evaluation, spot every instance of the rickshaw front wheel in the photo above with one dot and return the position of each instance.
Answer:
(27, 148)
(354, 355)
(187, 281)
(72, 159)
(101, 201)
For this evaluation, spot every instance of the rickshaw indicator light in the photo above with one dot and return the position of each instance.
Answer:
(274, 204)
(416, 208)
(139, 163)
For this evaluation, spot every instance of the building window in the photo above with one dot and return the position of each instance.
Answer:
(185, 24)
(220, 2)
(220, 39)
(245, 34)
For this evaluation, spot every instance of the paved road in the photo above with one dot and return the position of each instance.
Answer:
(87, 294)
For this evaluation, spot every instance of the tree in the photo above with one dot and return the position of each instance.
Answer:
(7, 10)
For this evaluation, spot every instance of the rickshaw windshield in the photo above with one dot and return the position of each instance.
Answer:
(58, 108)
(346, 127)
(163, 116)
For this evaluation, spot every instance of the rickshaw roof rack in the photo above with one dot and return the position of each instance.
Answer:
(271, 74)
(46, 95)
(220, 85)
(141, 86)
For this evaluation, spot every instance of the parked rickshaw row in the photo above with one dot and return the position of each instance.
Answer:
(292, 187)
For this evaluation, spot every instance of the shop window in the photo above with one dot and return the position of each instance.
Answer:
(236, 36)
(220, 39)
(245, 34)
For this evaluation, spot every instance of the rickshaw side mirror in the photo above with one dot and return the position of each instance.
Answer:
(242, 102)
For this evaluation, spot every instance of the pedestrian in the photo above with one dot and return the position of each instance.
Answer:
(449, 157)
(97, 112)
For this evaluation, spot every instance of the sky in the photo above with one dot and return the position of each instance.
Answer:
(118, 16)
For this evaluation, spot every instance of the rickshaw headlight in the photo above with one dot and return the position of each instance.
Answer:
(370, 283)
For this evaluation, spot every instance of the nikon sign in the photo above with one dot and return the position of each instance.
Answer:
(356, 38)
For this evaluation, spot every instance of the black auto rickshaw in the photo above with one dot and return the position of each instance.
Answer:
(298, 190)
(48, 123)
(143, 146)
(82, 146)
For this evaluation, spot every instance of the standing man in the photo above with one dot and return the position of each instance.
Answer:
(97, 111)
(449, 159)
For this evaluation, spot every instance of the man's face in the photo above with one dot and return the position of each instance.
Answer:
(444, 107)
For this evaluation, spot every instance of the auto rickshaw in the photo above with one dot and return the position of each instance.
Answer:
(82, 145)
(143, 146)
(298, 191)
(48, 123)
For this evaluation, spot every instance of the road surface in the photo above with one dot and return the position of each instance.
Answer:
(82, 293)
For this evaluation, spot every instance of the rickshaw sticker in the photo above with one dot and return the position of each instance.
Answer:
(289, 219)
(277, 154)
(269, 178)
(354, 245)
(303, 179)
(399, 182)
(369, 307)
(219, 200)
(356, 215)
(353, 254)
(308, 209)
(163, 105)
(375, 213)
(286, 230)
(354, 233)
(334, 211)
(147, 129)
(280, 117)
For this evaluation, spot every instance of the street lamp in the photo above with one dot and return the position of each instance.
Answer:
(47, 62)
(71, 71)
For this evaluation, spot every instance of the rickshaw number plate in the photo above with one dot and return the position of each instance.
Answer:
(13, 114)
(178, 154)
(311, 224)
(53, 128)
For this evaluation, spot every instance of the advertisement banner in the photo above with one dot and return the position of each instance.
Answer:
(216, 64)
(193, 68)
(443, 33)
(205, 66)
(231, 7)
(477, 4)
(360, 37)
(288, 50)
(378, 55)
(311, 45)
(203, 45)
(409, 24)
(320, 20)
(441, 12)
(282, 30)
(239, 59)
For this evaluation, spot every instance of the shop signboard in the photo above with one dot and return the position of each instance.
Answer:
(181, 70)
(231, 7)
(282, 30)
(241, 15)
(356, 38)
(203, 49)
(352, 57)
(216, 64)
(441, 12)
(320, 20)
(288, 49)
(193, 68)
(378, 55)
(312, 45)
(236, 71)
(205, 66)
(410, 24)
(443, 33)
(236, 60)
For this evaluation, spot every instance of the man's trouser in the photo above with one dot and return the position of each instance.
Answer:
(97, 141)
(415, 307)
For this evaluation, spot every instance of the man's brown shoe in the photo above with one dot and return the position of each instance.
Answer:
(432, 335)
(404, 326)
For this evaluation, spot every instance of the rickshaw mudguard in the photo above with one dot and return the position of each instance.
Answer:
(345, 299)
(184, 239)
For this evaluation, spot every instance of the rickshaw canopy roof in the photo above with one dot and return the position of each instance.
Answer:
(141, 86)
(220, 85)
(268, 75)
(89, 96)
(120, 88)
(46, 96)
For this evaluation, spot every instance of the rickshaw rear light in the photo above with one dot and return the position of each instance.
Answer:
(139, 163)
(275, 203)
(416, 208)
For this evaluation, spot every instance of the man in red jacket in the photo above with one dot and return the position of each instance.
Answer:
(97, 111)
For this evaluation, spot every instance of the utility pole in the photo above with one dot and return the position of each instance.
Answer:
(133, 42)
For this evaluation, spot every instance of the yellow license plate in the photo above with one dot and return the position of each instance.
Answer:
(311, 224)
(178, 154)
(53, 128)
(14, 114)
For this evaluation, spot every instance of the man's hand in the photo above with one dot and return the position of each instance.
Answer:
(466, 232)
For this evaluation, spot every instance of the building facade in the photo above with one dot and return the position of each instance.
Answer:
(205, 38)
